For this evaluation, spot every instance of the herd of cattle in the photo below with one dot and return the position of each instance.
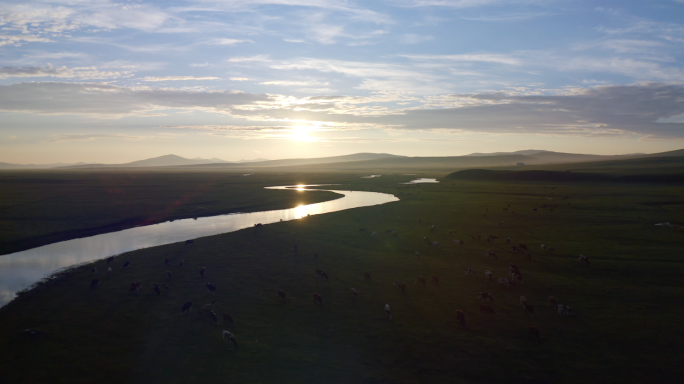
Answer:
(514, 278)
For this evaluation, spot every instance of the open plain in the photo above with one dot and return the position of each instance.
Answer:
(626, 303)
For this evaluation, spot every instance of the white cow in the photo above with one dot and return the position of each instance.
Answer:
(435, 244)
(418, 254)
(488, 274)
(227, 336)
(387, 311)
(458, 242)
(543, 247)
(469, 271)
(564, 309)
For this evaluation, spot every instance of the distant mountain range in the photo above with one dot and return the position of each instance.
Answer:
(363, 161)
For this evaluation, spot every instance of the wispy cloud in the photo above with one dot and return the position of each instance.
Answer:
(92, 137)
(411, 38)
(178, 78)
(86, 73)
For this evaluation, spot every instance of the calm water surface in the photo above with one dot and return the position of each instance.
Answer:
(422, 180)
(22, 269)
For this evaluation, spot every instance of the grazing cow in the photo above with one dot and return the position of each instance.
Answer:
(213, 317)
(564, 310)
(227, 318)
(156, 289)
(522, 246)
(505, 282)
(469, 271)
(189, 242)
(515, 249)
(584, 258)
(435, 244)
(281, 293)
(374, 234)
(166, 287)
(513, 266)
(168, 273)
(202, 272)
(517, 278)
(211, 288)
(94, 284)
(551, 249)
(317, 299)
(543, 247)
(491, 253)
(485, 296)
(362, 230)
(258, 225)
(166, 261)
(553, 301)
(450, 231)
(418, 254)
(488, 274)
(460, 317)
(420, 280)
(186, 308)
(367, 276)
(435, 280)
(126, 264)
(528, 255)
(206, 308)
(181, 263)
(109, 271)
(135, 287)
(354, 294)
(110, 259)
(487, 309)
(458, 242)
(401, 286)
(321, 273)
(523, 301)
(529, 309)
(533, 332)
(387, 312)
(389, 232)
(228, 337)
(431, 228)
(93, 270)
(508, 240)
(535, 209)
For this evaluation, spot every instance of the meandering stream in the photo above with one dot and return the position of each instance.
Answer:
(22, 269)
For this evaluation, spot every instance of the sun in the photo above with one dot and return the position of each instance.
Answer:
(301, 133)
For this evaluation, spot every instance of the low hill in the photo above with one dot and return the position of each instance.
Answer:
(161, 161)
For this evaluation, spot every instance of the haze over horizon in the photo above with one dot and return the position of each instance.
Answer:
(115, 82)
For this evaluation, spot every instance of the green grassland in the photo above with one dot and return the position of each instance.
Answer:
(627, 307)
(43, 207)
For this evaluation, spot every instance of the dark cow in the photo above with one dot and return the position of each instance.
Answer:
(94, 284)
(354, 294)
(189, 242)
(166, 287)
(213, 317)
(318, 299)
(553, 301)
(186, 308)
(522, 246)
(295, 247)
(281, 293)
(227, 318)
(529, 309)
(533, 332)
(258, 225)
(166, 261)
(421, 280)
(202, 272)
(321, 273)
(126, 264)
(487, 309)
(227, 336)
(168, 273)
(485, 296)
(435, 280)
(135, 287)
(460, 317)
(156, 289)
(181, 264)
(367, 276)
(211, 288)
(110, 259)
(584, 258)
(401, 286)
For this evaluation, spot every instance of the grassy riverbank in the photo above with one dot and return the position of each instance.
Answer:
(625, 326)
(43, 207)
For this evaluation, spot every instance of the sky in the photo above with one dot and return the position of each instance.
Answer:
(99, 81)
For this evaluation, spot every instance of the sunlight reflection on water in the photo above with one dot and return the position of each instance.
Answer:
(20, 270)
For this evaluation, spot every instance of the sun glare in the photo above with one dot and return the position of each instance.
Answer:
(301, 133)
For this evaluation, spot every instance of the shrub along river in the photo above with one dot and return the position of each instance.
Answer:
(21, 270)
